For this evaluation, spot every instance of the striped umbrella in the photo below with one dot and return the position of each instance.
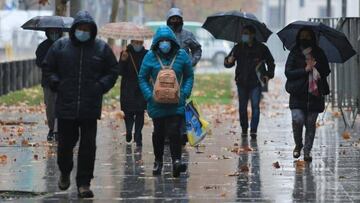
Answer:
(125, 31)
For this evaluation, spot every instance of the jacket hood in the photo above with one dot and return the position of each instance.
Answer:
(174, 12)
(165, 33)
(83, 17)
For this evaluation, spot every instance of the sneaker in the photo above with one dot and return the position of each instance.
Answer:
(50, 136)
(297, 152)
(244, 133)
(178, 168)
(85, 192)
(307, 157)
(128, 138)
(253, 134)
(157, 168)
(64, 182)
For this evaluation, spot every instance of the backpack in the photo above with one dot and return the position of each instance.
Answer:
(166, 87)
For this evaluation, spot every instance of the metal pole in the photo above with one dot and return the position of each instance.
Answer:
(343, 8)
(328, 8)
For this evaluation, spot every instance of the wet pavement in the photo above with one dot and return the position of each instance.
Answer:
(225, 168)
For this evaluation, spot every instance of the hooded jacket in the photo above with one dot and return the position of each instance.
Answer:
(186, 39)
(150, 68)
(80, 72)
(298, 79)
(131, 97)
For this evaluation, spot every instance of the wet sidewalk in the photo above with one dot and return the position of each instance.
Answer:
(225, 168)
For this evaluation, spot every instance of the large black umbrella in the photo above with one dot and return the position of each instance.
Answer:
(45, 22)
(334, 43)
(228, 25)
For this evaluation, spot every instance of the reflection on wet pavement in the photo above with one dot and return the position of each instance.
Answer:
(225, 169)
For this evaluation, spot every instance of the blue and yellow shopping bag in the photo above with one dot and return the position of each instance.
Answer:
(196, 126)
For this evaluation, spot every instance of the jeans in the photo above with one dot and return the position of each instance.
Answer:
(254, 94)
(301, 118)
(69, 133)
(169, 126)
(136, 117)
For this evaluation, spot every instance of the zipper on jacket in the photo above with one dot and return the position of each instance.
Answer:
(79, 86)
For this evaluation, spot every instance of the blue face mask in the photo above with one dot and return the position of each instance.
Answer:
(165, 46)
(245, 38)
(82, 36)
(137, 48)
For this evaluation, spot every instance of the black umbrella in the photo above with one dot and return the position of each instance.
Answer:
(228, 25)
(45, 22)
(334, 43)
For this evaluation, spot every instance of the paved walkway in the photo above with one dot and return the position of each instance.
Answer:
(225, 169)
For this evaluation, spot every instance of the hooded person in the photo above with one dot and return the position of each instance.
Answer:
(304, 60)
(167, 118)
(131, 98)
(49, 96)
(187, 41)
(80, 68)
(185, 38)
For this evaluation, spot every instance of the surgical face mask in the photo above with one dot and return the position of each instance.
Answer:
(165, 47)
(82, 36)
(176, 26)
(137, 48)
(245, 38)
(53, 36)
(305, 43)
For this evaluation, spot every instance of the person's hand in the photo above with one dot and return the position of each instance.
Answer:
(266, 79)
(310, 64)
(124, 56)
(230, 59)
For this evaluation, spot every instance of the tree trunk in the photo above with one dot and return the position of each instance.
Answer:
(60, 7)
(113, 17)
(75, 6)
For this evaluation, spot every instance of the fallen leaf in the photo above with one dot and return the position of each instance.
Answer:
(233, 174)
(336, 114)
(300, 164)
(346, 135)
(25, 143)
(244, 168)
(223, 194)
(36, 157)
(3, 159)
(276, 165)
(211, 187)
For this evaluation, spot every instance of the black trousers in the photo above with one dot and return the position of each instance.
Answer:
(169, 126)
(136, 117)
(69, 133)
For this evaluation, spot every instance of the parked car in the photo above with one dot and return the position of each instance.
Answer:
(213, 50)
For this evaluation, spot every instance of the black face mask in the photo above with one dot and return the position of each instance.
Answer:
(176, 26)
(305, 43)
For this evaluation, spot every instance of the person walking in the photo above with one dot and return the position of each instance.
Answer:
(80, 68)
(187, 41)
(132, 100)
(251, 74)
(306, 70)
(49, 96)
(170, 69)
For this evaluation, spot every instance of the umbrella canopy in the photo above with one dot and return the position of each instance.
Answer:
(334, 43)
(125, 31)
(228, 26)
(42, 23)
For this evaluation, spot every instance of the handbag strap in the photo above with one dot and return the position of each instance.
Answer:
(134, 65)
